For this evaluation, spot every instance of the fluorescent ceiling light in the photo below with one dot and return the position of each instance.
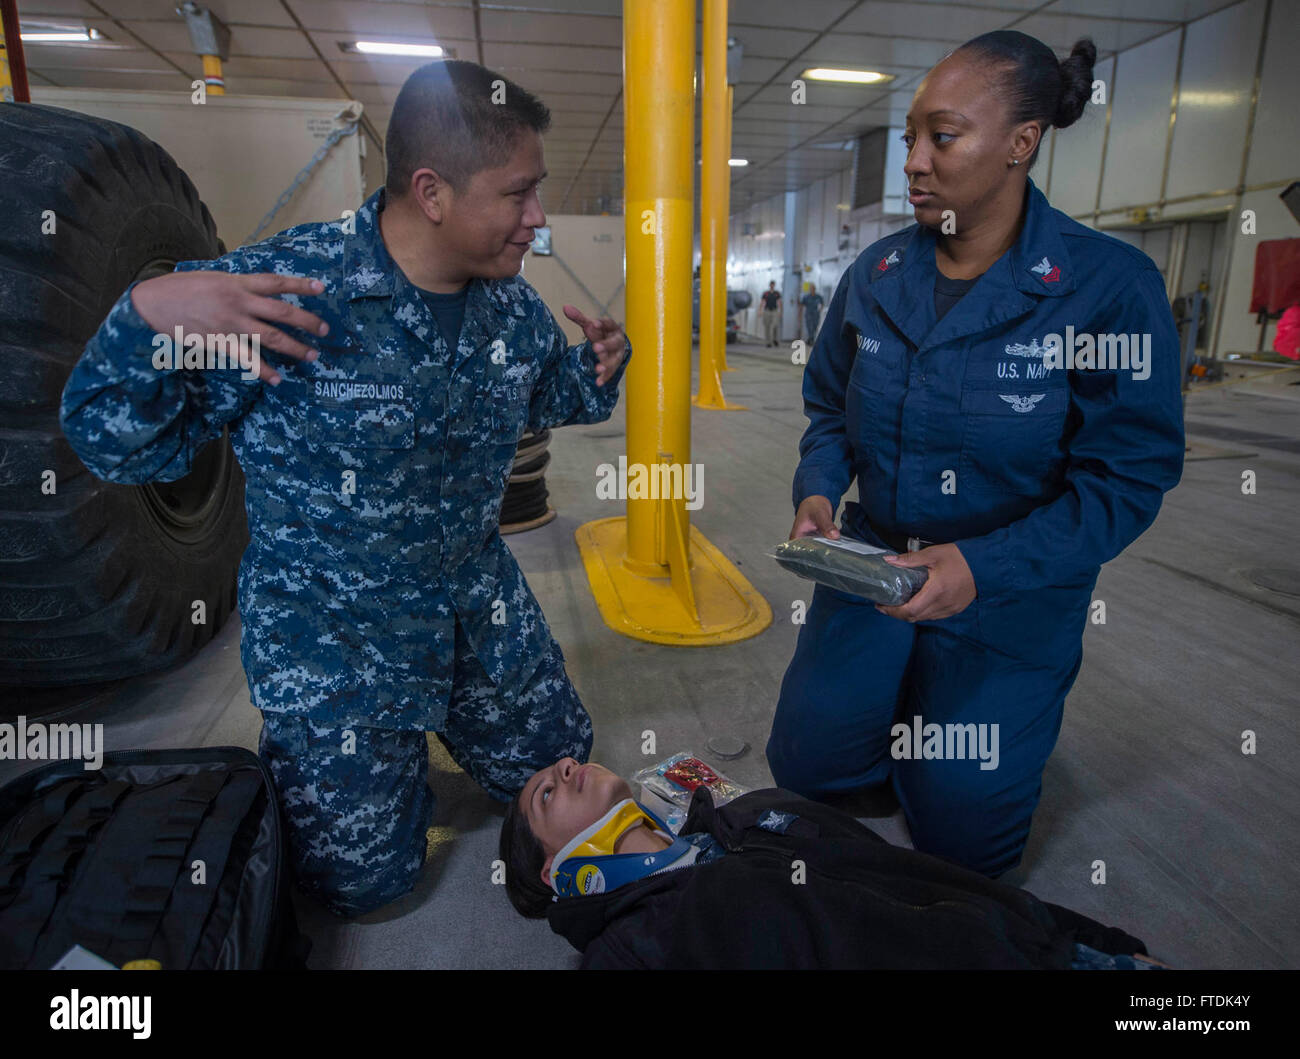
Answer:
(848, 77)
(60, 36)
(1210, 99)
(380, 47)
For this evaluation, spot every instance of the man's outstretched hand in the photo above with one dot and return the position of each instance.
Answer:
(225, 303)
(606, 338)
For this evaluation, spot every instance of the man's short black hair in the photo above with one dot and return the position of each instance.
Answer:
(445, 120)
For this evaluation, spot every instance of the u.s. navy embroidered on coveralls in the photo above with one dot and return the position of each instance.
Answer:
(965, 430)
(375, 590)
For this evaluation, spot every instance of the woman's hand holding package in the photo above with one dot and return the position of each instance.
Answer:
(949, 589)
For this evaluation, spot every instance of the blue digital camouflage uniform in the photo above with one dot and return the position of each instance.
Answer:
(374, 485)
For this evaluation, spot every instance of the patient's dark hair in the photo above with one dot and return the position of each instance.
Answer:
(1033, 84)
(445, 120)
(523, 857)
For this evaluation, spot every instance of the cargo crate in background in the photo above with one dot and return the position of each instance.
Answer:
(243, 152)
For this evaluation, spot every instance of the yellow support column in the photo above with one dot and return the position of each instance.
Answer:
(726, 220)
(715, 185)
(654, 576)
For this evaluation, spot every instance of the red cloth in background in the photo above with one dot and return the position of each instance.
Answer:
(1287, 340)
(1277, 276)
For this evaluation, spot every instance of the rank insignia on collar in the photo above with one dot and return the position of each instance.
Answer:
(886, 263)
(1047, 272)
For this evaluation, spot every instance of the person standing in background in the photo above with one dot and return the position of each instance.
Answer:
(810, 312)
(771, 308)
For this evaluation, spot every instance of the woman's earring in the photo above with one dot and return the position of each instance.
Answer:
(1015, 161)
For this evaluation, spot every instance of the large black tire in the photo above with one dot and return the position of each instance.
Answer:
(97, 581)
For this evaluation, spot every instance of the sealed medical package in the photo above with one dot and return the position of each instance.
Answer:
(676, 778)
(850, 566)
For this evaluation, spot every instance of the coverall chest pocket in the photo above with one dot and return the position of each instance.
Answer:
(508, 421)
(1011, 437)
(874, 374)
(360, 464)
(509, 403)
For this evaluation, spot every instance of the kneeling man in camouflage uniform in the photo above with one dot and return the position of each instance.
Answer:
(407, 358)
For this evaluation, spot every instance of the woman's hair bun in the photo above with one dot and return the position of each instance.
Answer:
(1076, 83)
(1029, 80)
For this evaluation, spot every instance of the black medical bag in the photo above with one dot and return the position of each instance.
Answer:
(176, 856)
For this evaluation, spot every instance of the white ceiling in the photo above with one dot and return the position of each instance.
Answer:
(568, 52)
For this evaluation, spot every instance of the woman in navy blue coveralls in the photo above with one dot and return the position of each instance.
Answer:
(1010, 467)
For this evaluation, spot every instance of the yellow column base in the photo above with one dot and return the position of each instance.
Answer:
(720, 402)
(727, 607)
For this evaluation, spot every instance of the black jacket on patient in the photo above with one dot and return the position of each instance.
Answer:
(863, 903)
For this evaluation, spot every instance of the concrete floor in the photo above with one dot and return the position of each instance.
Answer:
(1200, 841)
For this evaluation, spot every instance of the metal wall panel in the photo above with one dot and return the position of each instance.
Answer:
(810, 249)
(825, 256)
(1214, 100)
(1139, 124)
(895, 189)
(1204, 255)
(1198, 207)
(1155, 244)
(1274, 154)
(1076, 157)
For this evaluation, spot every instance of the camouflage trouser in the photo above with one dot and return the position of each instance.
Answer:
(357, 820)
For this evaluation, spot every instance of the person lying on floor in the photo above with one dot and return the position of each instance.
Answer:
(769, 880)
